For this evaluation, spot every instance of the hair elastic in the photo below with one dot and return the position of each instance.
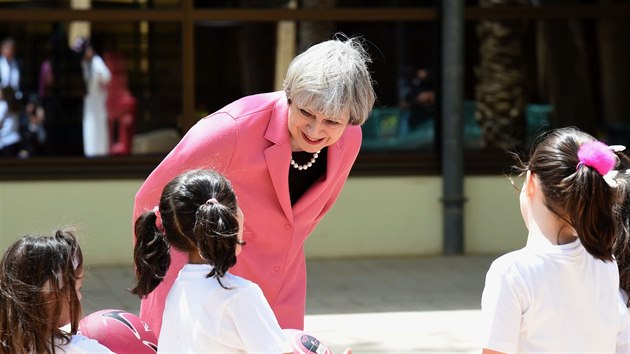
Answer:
(602, 158)
(158, 219)
(597, 155)
(212, 201)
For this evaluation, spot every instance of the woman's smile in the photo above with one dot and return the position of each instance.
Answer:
(311, 131)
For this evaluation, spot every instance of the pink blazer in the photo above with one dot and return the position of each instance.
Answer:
(248, 141)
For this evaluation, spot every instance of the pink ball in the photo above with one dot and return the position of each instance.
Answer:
(304, 343)
(120, 331)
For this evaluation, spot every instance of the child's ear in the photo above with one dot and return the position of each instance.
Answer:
(531, 184)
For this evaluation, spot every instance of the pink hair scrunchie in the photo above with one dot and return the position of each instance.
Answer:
(158, 219)
(597, 155)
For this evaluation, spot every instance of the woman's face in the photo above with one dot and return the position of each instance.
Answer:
(311, 131)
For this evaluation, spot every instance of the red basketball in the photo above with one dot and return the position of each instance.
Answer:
(304, 343)
(120, 331)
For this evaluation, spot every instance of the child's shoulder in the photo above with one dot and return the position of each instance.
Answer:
(81, 344)
(237, 282)
(518, 261)
(240, 288)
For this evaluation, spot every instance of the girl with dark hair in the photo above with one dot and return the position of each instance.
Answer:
(560, 293)
(207, 309)
(622, 245)
(40, 292)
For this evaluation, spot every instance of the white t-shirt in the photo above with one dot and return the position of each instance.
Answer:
(202, 317)
(9, 74)
(83, 345)
(9, 126)
(624, 295)
(549, 298)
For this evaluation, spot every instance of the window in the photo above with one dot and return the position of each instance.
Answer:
(178, 61)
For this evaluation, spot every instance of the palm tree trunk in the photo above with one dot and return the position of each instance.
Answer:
(500, 90)
(313, 32)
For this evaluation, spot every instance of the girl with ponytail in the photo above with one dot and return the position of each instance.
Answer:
(207, 309)
(560, 293)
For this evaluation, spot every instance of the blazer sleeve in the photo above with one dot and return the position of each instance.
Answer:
(208, 144)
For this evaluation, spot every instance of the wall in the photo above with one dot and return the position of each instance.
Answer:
(384, 216)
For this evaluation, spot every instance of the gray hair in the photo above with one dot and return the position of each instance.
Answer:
(332, 78)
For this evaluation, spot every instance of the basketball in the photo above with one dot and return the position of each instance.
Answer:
(304, 343)
(120, 331)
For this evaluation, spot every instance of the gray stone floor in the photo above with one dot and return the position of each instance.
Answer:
(389, 305)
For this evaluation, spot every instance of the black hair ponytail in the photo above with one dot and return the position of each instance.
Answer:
(576, 192)
(216, 231)
(151, 255)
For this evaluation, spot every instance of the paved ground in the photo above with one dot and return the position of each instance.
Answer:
(404, 305)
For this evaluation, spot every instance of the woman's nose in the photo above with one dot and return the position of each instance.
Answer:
(314, 126)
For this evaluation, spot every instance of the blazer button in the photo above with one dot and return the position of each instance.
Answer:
(276, 268)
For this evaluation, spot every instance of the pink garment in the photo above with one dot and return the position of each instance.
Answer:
(249, 142)
(45, 79)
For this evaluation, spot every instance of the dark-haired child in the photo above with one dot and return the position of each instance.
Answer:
(208, 310)
(560, 293)
(40, 292)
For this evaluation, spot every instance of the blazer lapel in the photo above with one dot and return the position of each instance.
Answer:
(278, 155)
(333, 164)
(278, 158)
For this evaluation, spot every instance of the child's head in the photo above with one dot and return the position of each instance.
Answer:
(40, 282)
(198, 214)
(574, 188)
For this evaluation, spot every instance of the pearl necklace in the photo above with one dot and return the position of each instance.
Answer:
(306, 165)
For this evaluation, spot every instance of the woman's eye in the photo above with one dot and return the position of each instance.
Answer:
(306, 113)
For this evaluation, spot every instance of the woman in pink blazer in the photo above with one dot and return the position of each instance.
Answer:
(288, 155)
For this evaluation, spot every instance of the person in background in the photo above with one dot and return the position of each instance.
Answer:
(95, 124)
(10, 138)
(9, 67)
(40, 297)
(61, 91)
(288, 155)
(417, 94)
(32, 128)
(560, 293)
